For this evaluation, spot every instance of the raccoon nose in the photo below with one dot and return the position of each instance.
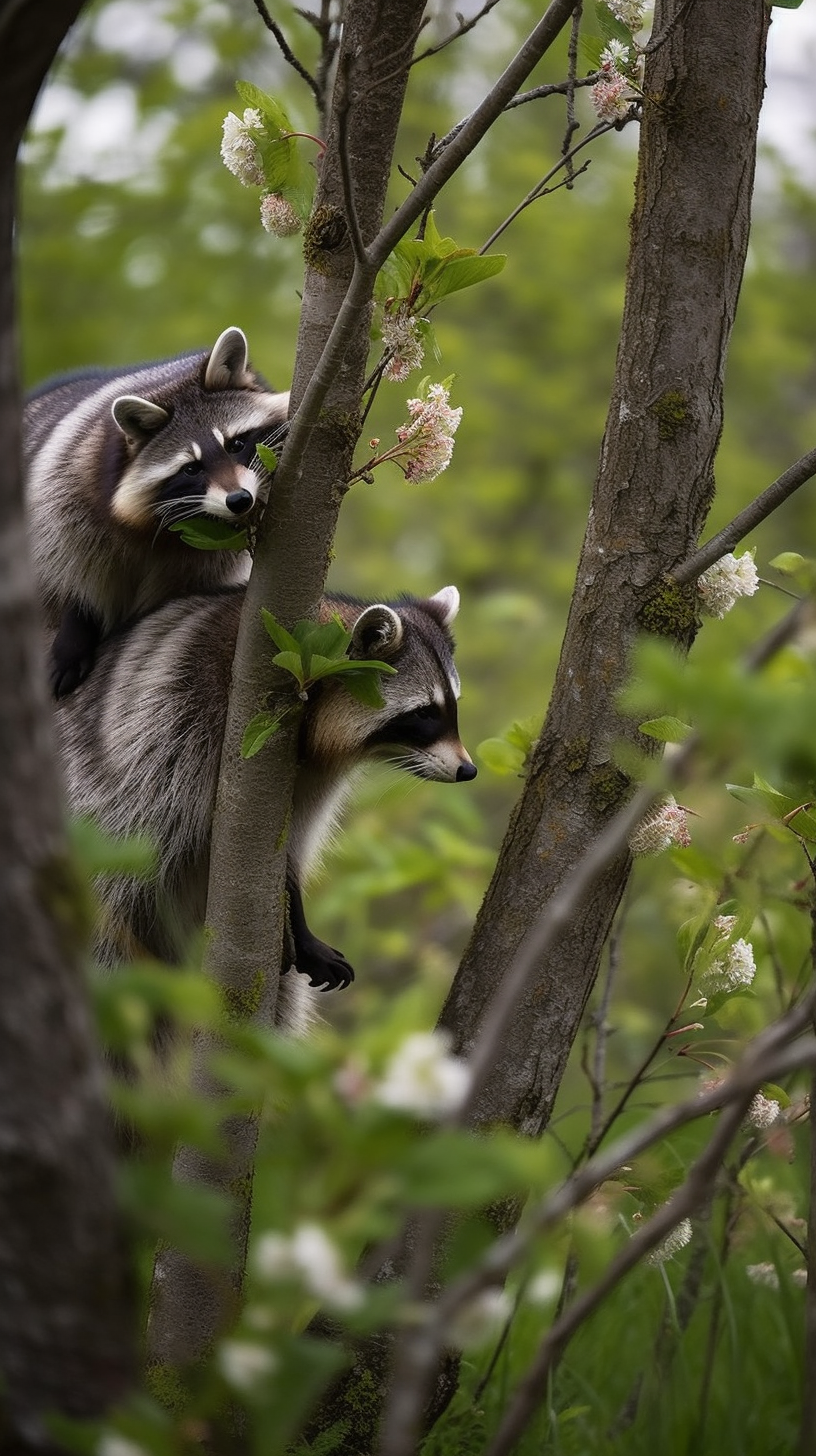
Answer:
(465, 772)
(239, 501)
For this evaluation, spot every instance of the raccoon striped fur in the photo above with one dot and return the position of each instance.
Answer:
(140, 743)
(113, 459)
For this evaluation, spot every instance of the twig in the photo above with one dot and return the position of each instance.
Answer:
(572, 124)
(537, 93)
(540, 188)
(342, 109)
(285, 49)
(463, 28)
(747, 520)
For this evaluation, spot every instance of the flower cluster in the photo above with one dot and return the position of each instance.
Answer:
(243, 1363)
(734, 969)
(763, 1111)
(665, 825)
(309, 1256)
(278, 216)
(427, 439)
(767, 1275)
(400, 335)
(725, 582)
(423, 1078)
(628, 12)
(239, 147)
(672, 1244)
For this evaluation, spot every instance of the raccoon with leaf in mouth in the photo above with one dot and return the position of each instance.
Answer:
(116, 457)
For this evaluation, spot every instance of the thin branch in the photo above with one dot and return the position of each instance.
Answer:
(747, 520)
(540, 188)
(342, 110)
(572, 124)
(463, 28)
(285, 49)
(537, 93)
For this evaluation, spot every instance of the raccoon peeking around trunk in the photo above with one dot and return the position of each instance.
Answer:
(140, 744)
(113, 459)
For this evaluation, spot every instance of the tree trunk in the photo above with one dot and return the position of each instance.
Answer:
(703, 89)
(66, 1315)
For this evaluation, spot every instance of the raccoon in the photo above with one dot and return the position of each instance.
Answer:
(140, 743)
(113, 459)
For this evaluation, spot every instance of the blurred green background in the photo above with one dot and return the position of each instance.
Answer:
(135, 242)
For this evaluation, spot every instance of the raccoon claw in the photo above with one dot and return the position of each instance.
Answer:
(65, 677)
(327, 969)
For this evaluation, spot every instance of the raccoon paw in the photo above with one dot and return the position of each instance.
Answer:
(327, 968)
(66, 676)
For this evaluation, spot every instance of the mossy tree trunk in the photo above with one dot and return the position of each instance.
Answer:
(703, 88)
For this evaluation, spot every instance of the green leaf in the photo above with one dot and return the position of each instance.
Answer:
(786, 4)
(101, 854)
(463, 272)
(206, 534)
(500, 756)
(267, 457)
(281, 638)
(349, 665)
(291, 662)
(257, 731)
(788, 562)
(666, 729)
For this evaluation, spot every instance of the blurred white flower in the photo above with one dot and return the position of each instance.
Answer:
(799, 1278)
(480, 1319)
(763, 1111)
(665, 825)
(735, 968)
(725, 582)
(243, 1364)
(628, 12)
(764, 1274)
(278, 216)
(309, 1256)
(724, 922)
(423, 1078)
(239, 149)
(112, 1444)
(545, 1287)
(673, 1242)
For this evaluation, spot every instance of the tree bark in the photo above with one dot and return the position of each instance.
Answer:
(703, 88)
(66, 1313)
(248, 867)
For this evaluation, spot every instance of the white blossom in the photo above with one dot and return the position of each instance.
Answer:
(112, 1444)
(278, 216)
(426, 441)
(243, 1364)
(614, 56)
(799, 1277)
(736, 968)
(628, 12)
(763, 1111)
(726, 581)
(239, 149)
(480, 1319)
(610, 97)
(673, 1242)
(309, 1256)
(665, 825)
(423, 1078)
(544, 1287)
(764, 1274)
(400, 334)
(724, 922)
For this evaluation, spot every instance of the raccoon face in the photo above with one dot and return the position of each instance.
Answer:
(417, 728)
(196, 455)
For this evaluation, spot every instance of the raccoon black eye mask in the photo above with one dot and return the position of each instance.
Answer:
(113, 459)
(140, 744)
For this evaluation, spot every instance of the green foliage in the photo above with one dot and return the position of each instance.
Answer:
(423, 271)
(507, 753)
(286, 170)
(313, 651)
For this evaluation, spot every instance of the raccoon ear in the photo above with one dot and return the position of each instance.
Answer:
(227, 366)
(377, 633)
(445, 605)
(138, 418)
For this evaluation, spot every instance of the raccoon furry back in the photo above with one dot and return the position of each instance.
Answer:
(113, 458)
(140, 744)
